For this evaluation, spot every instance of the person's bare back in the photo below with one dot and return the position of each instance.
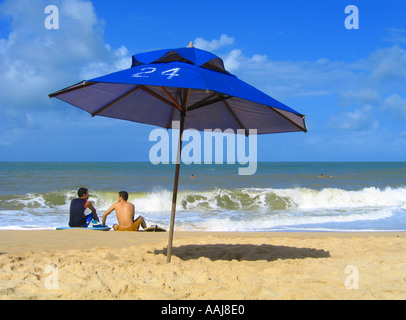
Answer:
(125, 214)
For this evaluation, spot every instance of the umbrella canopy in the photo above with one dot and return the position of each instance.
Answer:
(187, 85)
(160, 84)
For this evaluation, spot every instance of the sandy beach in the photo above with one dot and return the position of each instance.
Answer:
(85, 264)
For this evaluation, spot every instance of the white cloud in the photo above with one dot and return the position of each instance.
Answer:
(396, 35)
(121, 60)
(396, 106)
(5, 143)
(35, 61)
(213, 44)
(362, 119)
(258, 58)
(363, 81)
(233, 60)
(388, 64)
(282, 79)
(361, 85)
(360, 97)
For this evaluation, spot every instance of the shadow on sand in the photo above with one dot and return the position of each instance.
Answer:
(244, 252)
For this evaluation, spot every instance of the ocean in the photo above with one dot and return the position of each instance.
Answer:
(281, 196)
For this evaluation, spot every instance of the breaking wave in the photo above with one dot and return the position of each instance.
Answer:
(242, 209)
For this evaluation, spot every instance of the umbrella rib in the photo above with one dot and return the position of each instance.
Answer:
(74, 87)
(235, 117)
(172, 98)
(186, 93)
(206, 101)
(184, 100)
(286, 118)
(158, 96)
(202, 101)
(170, 119)
(115, 101)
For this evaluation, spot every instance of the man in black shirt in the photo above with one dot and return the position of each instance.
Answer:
(78, 206)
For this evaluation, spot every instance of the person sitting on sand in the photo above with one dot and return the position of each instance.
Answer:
(77, 217)
(125, 214)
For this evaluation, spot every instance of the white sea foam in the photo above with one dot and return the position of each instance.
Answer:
(273, 199)
(338, 198)
(243, 209)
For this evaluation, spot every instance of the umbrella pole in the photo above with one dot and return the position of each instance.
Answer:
(175, 188)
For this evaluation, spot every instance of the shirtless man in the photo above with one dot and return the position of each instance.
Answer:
(125, 215)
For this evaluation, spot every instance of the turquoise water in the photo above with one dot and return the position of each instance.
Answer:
(284, 196)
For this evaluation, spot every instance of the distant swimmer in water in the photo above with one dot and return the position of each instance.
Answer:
(324, 176)
(192, 176)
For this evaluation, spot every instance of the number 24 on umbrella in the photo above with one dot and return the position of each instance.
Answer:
(146, 71)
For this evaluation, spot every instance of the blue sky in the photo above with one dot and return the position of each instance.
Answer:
(350, 84)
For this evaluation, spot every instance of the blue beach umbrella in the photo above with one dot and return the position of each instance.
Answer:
(188, 85)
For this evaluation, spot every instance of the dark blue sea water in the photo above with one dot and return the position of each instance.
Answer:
(285, 196)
